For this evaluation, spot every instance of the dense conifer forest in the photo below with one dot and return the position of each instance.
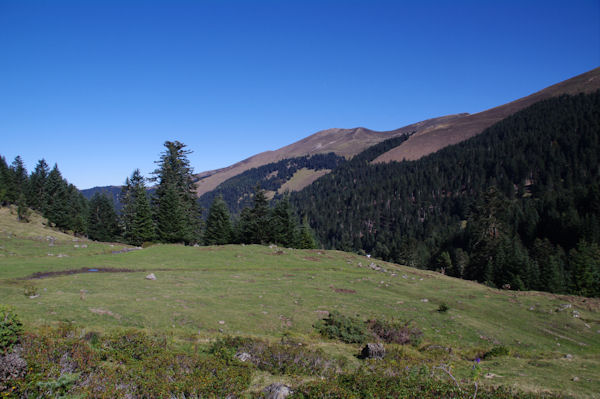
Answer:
(170, 213)
(517, 206)
(237, 192)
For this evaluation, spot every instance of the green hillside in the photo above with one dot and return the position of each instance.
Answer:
(514, 206)
(202, 293)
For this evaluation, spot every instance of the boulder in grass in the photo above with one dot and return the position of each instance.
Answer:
(277, 391)
(373, 351)
(151, 276)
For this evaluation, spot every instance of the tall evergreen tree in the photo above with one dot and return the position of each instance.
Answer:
(4, 181)
(56, 195)
(19, 179)
(218, 224)
(102, 219)
(283, 224)
(176, 210)
(37, 184)
(138, 226)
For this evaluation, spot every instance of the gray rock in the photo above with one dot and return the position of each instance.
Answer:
(373, 351)
(277, 391)
(12, 366)
(243, 356)
(151, 276)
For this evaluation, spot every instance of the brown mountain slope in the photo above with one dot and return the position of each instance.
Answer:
(437, 137)
(343, 142)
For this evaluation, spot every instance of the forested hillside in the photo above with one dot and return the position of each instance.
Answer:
(518, 205)
(237, 191)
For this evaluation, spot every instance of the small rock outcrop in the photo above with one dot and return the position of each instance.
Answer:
(151, 276)
(277, 391)
(373, 351)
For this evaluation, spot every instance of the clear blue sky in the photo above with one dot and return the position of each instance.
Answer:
(98, 86)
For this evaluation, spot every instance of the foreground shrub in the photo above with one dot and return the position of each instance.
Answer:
(396, 332)
(11, 329)
(278, 358)
(344, 328)
(131, 345)
(497, 351)
(413, 383)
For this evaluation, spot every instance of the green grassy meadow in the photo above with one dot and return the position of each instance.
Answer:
(202, 293)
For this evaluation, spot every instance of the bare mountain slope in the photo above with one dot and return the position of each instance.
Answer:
(431, 140)
(343, 142)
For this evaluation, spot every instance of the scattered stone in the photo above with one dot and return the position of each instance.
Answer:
(575, 379)
(404, 276)
(12, 367)
(491, 375)
(532, 308)
(373, 351)
(587, 325)
(564, 306)
(34, 296)
(568, 356)
(151, 276)
(277, 391)
(576, 314)
(425, 300)
(243, 356)
(83, 246)
(62, 255)
(420, 279)
(66, 364)
(76, 246)
(506, 287)
(221, 321)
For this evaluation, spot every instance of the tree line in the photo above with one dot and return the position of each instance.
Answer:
(517, 206)
(171, 214)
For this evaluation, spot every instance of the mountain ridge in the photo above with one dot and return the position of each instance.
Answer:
(427, 136)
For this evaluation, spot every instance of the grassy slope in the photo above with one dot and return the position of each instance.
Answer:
(268, 292)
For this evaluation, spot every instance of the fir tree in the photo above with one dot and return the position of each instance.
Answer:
(19, 179)
(37, 184)
(283, 224)
(176, 210)
(218, 224)
(138, 226)
(102, 219)
(306, 239)
(56, 204)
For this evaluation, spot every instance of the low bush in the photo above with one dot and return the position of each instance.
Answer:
(278, 358)
(344, 328)
(496, 351)
(396, 332)
(11, 329)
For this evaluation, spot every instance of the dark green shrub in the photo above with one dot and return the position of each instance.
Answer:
(497, 351)
(131, 345)
(278, 358)
(395, 332)
(344, 328)
(11, 329)
(443, 308)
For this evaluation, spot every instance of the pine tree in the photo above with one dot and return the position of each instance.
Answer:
(218, 224)
(176, 210)
(306, 239)
(37, 183)
(56, 204)
(138, 226)
(283, 224)
(4, 181)
(19, 179)
(102, 219)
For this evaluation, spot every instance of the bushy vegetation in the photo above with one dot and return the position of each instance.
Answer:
(287, 357)
(344, 328)
(11, 329)
(516, 206)
(64, 361)
(395, 332)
